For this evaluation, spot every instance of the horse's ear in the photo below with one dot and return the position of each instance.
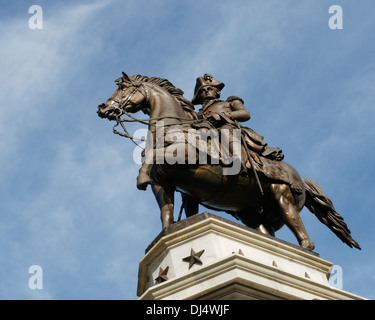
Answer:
(126, 77)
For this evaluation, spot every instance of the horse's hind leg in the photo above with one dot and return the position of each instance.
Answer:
(165, 199)
(190, 205)
(290, 214)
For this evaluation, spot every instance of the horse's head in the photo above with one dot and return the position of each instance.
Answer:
(130, 97)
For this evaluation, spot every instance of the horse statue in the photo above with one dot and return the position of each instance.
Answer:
(258, 200)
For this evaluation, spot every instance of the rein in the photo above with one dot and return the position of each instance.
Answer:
(146, 121)
(142, 121)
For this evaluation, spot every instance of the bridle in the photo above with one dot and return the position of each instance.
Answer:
(120, 121)
(136, 87)
(147, 121)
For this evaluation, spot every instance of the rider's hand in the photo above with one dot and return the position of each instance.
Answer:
(214, 117)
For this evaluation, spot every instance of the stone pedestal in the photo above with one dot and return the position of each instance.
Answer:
(208, 257)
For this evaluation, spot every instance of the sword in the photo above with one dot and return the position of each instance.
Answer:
(249, 156)
(253, 167)
(235, 123)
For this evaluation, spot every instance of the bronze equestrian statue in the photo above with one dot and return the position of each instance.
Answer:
(265, 194)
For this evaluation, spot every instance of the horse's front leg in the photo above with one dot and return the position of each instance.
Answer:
(165, 199)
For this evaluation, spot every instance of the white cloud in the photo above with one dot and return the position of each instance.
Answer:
(34, 64)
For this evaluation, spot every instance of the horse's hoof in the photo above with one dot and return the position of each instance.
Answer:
(307, 244)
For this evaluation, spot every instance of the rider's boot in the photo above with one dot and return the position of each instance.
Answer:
(143, 179)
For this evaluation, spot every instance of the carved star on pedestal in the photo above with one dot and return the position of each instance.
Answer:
(194, 258)
(162, 275)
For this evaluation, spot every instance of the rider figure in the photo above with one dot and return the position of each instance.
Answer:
(225, 114)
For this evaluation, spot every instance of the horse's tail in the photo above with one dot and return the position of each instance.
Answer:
(320, 205)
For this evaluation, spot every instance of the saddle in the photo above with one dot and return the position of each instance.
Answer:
(202, 138)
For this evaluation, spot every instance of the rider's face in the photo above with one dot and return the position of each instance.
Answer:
(208, 92)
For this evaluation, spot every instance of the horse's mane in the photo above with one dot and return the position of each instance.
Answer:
(165, 84)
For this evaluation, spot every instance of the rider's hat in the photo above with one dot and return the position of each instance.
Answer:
(206, 80)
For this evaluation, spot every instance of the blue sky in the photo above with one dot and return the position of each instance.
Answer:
(68, 200)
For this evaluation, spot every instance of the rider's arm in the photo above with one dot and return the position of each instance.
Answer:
(239, 112)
